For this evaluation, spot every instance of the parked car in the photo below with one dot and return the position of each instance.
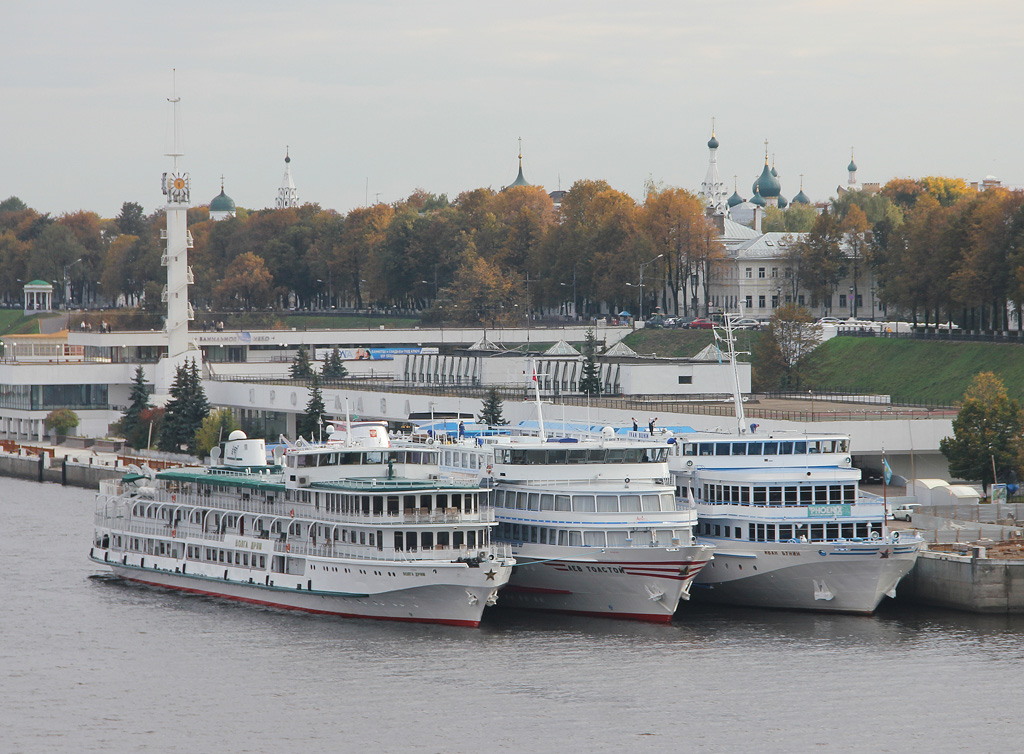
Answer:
(699, 323)
(904, 512)
(830, 321)
(746, 324)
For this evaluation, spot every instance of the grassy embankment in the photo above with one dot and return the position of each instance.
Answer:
(915, 371)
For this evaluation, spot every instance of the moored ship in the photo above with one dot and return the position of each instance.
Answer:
(350, 527)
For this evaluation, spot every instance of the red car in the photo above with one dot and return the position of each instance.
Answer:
(701, 324)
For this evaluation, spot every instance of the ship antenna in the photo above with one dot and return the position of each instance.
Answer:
(540, 411)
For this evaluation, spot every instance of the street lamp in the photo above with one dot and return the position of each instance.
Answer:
(642, 265)
(67, 292)
(853, 308)
(566, 285)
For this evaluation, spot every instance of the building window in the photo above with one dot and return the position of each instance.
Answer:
(685, 379)
(775, 272)
(760, 302)
(842, 300)
(750, 302)
(800, 300)
(750, 272)
(760, 272)
(789, 272)
(775, 302)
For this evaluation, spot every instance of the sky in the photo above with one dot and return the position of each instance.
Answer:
(377, 99)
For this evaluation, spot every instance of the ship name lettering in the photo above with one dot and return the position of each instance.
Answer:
(605, 569)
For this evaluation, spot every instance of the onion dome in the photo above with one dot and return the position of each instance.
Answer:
(767, 185)
(735, 199)
(783, 203)
(520, 179)
(801, 198)
(757, 198)
(712, 142)
(222, 202)
(852, 167)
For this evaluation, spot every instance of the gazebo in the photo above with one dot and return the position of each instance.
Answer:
(38, 297)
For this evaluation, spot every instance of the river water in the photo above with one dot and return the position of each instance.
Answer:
(90, 663)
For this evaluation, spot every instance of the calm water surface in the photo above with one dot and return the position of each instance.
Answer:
(90, 663)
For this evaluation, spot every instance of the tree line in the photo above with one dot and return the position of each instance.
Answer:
(930, 249)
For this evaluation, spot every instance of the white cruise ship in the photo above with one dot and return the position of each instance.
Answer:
(790, 526)
(592, 520)
(350, 527)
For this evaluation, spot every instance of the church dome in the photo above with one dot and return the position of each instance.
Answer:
(712, 142)
(852, 167)
(757, 198)
(801, 198)
(735, 199)
(767, 185)
(783, 203)
(222, 203)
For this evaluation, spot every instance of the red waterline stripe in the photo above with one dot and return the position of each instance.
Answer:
(250, 600)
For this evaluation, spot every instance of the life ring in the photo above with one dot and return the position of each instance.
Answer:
(627, 480)
(895, 537)
(292, 513)
(874, 536)
(287, 548)
(489, 467)
(174, 532)
(689, 463)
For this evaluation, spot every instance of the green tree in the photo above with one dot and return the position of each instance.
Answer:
(138, 402)
(490, 412)
(590, 375)
(334, 368)
(301, 368)
(247, 281)
(185, 411)
(310, 423)
(986, 432)
(61, 421)
(214, 430)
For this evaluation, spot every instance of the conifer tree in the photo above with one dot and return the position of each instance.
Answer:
(302, 368)
(309, 424)
(590, 375)
(334, 367)
(490, 413)
(185, 411)
(138, 401)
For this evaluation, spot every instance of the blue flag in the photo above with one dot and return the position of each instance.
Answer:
(886, 471)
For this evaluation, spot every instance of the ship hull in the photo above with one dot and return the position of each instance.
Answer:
(458, 600)
(831, 577)
(631, 583)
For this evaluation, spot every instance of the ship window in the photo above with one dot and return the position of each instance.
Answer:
(362, 537)
(499, 498)
(617, 539)
(442, 539)
(760, 495)
(791, 496)
(821, 495)
(832, 531)
(760, 532)
(577, 455)
(457, 539)
(563, 537)
(583, 503)
(769, 532)
(593, 538)
(847, 531)
(849, 493)
(835, 493)
(755, 449)
(650, 502)
(543, 536)
(689, 449)
(245, 559)
(562, 503)
(771, 448)
(817, 532)
(629, 503)
(534, 501)
(668, 502)
(785, 531)
(722, 449)
(471, 538)
(718, 530)
(806, 495)
(739, 448)
(800, 447)
(862, 530)
(707, 448)
(575, 539)
(607, 504)
(548, 502)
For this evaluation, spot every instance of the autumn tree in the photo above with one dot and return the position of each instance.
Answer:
(481, 294)
(778, 354)
(819, 257)
(986, 433)
(216, 427)
(855, 233)
(247, 281)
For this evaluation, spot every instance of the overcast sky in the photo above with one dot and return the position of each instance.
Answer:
(376, 99)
